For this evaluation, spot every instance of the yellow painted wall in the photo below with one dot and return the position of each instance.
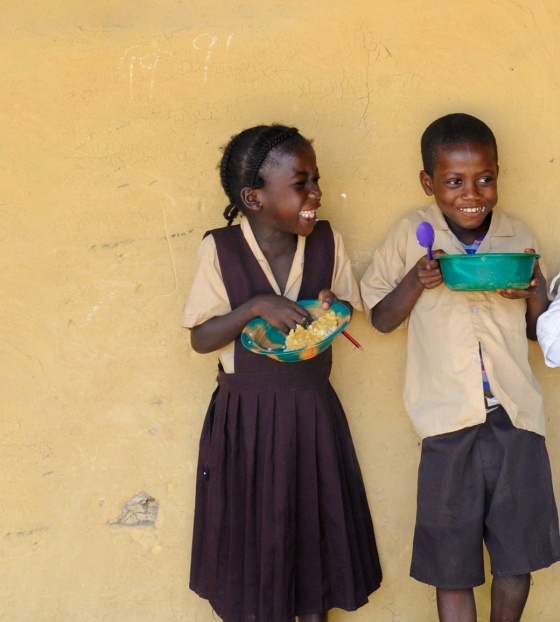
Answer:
(111, 120)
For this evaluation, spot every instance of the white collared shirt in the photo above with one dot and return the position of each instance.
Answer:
(548, 330)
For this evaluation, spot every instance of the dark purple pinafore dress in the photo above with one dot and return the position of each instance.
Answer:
(282, 525)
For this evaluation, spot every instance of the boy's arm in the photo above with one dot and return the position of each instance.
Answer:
(537, 304)
(396, 306)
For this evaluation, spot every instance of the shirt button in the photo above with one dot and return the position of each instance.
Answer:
(475, 309)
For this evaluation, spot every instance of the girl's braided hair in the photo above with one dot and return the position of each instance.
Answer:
(244, 156)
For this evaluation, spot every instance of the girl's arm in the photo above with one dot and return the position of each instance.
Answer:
(393, 310)
(217, 332)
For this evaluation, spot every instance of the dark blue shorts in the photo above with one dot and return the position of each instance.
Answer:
(489, 483)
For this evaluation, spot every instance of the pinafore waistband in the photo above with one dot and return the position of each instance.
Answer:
(294, 378)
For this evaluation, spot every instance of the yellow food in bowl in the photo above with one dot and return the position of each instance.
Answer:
(318, 330)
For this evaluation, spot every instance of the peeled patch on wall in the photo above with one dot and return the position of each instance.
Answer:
(139, 511)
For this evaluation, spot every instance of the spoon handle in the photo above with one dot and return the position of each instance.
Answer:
(352, 340)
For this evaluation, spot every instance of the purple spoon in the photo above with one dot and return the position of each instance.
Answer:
(425, 235)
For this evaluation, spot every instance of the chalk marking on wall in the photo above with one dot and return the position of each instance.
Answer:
(170, 250)
(168, 237)
(136, 61)
(199, 43)
(213, 41)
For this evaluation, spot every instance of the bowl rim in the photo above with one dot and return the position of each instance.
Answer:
(337, 307)
(497, 255)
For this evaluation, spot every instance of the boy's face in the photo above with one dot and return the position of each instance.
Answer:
(464, 185)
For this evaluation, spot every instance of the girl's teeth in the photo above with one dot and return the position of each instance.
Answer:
(308, 214)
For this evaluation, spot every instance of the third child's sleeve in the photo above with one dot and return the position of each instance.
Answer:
(548, 332)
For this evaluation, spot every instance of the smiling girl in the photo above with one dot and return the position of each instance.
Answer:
(282, 526)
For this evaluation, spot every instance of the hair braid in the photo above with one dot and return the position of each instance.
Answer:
(230, 213)
(224, 166)
(265, 150)
(243, 158)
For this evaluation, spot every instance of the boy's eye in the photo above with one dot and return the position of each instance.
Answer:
(454, 182)
(486, 180)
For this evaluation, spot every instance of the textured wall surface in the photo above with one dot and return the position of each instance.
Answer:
(112, 118)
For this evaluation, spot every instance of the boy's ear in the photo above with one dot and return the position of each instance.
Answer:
(427, 183)
(250, 199)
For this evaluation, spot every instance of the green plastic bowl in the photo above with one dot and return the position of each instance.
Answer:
(488, 271)
(262, 338)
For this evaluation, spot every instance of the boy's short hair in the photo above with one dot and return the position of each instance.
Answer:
(452, 130)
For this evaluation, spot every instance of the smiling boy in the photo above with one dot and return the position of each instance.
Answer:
(484, 472)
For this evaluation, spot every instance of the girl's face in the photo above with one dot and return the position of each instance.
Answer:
(290, 196)
(465, 187)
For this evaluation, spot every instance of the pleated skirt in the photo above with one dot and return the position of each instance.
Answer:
(282, 525)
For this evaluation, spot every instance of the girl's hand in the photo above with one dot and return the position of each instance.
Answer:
(428, 271)
(218, 331)
(282, 313)
(535, 287)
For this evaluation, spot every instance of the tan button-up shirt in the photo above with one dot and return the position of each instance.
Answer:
(208, 297)
(443, 384)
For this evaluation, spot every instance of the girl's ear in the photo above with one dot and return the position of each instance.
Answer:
(427, 183)
(250, 200)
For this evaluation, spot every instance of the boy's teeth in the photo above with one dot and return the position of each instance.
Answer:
(473, 210)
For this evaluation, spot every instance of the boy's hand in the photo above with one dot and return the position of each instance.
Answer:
(537, 283)
(428, 271)
(327, 298)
